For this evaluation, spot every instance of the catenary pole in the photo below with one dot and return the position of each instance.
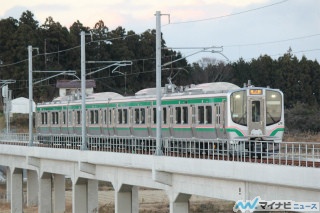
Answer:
(30, 96)
(158, 82)
(83, 92)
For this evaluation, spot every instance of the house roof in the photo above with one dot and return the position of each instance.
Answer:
(75, 84)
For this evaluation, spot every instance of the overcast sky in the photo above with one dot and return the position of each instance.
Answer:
(245, 28)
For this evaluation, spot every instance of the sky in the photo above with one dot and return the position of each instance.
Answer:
(238, 28)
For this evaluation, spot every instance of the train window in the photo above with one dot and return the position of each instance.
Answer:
(119, 116)
(94, 116)
(125, 116)
(91, 117)
(64, 117)
(273, 107)
(154, 115)
(201, 114)
(44, 118)
(136, 116)
(164, 115)
(185, 115)
(256, 111)
(54, 118)
(78, 117)
(238, 106)
(143, 116)
(178, 115)
(110, 116)
(209, 114)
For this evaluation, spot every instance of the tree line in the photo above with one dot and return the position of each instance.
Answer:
(58, 48)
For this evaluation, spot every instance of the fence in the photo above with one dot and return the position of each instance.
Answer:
(305, 154)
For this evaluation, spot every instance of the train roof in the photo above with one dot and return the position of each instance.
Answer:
(213, 87)
(170, 90)
(217, 87)
(101, 96)
(104, 96)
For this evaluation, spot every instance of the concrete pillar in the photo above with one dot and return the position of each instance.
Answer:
(92, 190)
(135, 199)
(85, 196)
(126, 199)
(179, 203)
(79, 198)
(45, 193)
(32, 188)
(8, 180)
(16, 191)
(59, 194)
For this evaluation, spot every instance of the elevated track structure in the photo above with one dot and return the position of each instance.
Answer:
(291, 173)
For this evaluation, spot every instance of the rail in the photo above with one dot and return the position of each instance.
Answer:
(303, 154)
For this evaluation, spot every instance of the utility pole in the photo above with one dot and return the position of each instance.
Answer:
(30, 96)
(83, 91)
(158, 83)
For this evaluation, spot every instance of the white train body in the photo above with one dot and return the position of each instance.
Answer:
(205, 111)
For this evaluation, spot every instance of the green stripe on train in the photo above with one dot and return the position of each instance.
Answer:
(235, 131)
(276, 131)
(132, 104)
(164, 129)
(145, 129)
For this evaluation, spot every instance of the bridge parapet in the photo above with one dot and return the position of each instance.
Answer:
(303, 154)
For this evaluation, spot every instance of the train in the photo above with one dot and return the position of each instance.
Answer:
(208, 111)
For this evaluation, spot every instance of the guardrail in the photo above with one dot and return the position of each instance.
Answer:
(305, 154)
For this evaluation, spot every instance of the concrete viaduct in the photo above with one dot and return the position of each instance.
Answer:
(179, 177)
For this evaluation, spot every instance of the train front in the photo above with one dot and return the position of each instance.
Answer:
(256, 122)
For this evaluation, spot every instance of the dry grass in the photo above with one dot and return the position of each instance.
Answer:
(150, 201)
(302, 137)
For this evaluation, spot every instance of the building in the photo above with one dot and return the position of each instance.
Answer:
(67, 87)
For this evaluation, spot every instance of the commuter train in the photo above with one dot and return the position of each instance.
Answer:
(218, 110)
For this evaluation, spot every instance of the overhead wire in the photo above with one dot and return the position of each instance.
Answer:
(184, 22)
(273, 42)
(125, 36)
(228, 15)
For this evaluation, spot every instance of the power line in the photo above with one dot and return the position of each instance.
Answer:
(273, 42)
(229, 15)
(15, 63)
(281, 54)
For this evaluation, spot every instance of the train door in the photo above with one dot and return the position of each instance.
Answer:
(131, 120)
(256, 117)
(218, 120)
(106, 124)
(148, 120)
(114, 121)
(193, 121)
(171, 120)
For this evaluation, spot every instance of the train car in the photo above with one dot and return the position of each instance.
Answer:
(218, 110)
